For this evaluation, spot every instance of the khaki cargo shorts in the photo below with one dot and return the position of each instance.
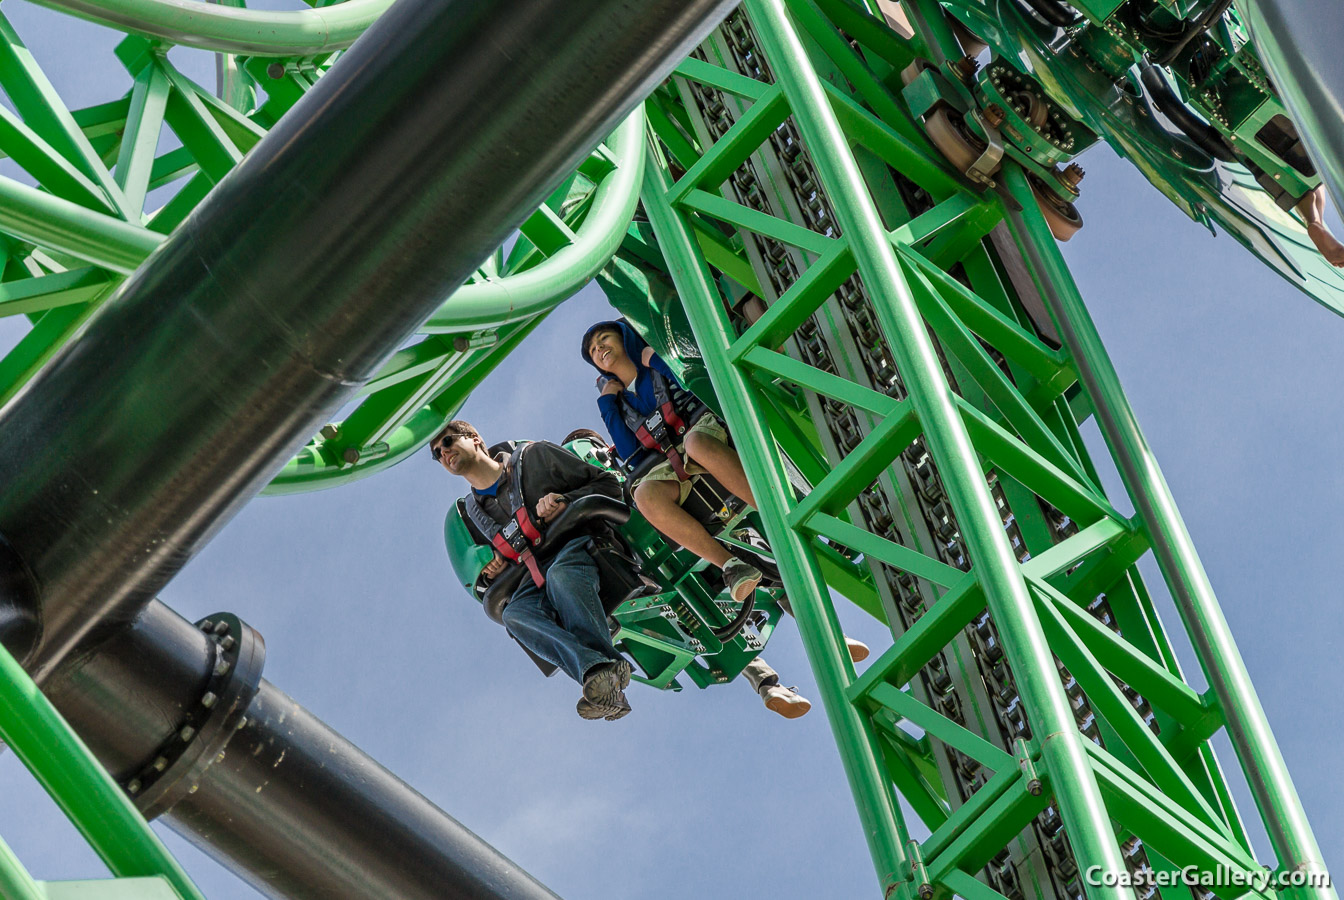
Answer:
(708, 425)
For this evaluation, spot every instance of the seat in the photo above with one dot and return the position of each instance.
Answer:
(667, 626)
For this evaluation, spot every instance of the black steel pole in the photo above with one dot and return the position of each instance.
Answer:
(263, 785)
(342, 230)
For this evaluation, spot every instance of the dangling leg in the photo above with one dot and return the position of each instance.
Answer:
(721, 461)
(778, 699)
(572, 587)
(1312, 209)
(657, 502)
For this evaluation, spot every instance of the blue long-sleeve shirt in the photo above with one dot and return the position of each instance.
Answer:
(639, 395)
(641, 398)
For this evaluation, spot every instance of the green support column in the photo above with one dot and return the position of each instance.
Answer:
(822, 640)
(994, 564)
(1261, 762)
(94, 803)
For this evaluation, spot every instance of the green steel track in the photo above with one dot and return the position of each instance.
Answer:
(907, 337)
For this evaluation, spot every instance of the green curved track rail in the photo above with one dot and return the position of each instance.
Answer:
(902, 331)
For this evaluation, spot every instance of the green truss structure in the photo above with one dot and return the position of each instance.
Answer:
(901, 333)
(1030, 707)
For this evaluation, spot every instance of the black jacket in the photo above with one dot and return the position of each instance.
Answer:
(549, 469)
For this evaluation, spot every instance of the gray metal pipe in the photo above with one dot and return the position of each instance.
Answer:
(342, 231)
(263, 785)
(1298, 41)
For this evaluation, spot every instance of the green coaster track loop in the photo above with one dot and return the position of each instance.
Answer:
(76, 222)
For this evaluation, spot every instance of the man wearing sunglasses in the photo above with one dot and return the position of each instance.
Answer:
(555, 612)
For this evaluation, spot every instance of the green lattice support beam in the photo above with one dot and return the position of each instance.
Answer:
(968, 404)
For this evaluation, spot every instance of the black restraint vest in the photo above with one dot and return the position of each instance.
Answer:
(663, 430)
(505, 521)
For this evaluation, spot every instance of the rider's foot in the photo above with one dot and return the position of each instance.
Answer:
(858, 650)
(785, 701)
(740, 578)
(603, 684)
(590, 710)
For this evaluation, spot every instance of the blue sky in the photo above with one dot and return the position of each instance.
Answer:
(1235, 377)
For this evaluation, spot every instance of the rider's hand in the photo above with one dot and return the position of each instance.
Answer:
(493, 567)
(609, 385)
(645, 355)
(549, 507)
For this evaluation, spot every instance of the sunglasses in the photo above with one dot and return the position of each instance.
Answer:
(436, 450)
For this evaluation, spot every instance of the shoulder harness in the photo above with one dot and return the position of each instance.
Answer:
(664, 429)
(513, 534)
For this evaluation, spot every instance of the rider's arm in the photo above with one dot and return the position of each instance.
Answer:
(622, 438)
(658, 365)
(497, 562)
(568, 475)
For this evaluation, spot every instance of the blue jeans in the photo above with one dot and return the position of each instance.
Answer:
(563, 622)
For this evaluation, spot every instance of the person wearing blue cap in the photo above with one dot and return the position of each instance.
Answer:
(648, 412)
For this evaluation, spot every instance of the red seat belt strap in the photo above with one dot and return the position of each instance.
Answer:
(528, 528)
(504, 548)
(674, 458)
(647, 439)
(672, 419)
(531, 562)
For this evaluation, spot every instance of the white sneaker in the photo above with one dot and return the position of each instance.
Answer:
(785, 701)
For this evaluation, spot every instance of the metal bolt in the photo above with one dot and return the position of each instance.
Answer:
(1072, 175)
(241, 724)
(350, 455)
(222, 667)
(134, 786)
(208, 699)
(160, 764)
(276, 70)
(221, 627)
(186, 734)
(207, 625)
(227, 643)
(329, 432)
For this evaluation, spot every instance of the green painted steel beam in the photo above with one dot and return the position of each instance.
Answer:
(860, 752)
(491, 303)
(1076, 789)
(227, 29)
(15, 882)
(1252, 739)
(94, 803)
